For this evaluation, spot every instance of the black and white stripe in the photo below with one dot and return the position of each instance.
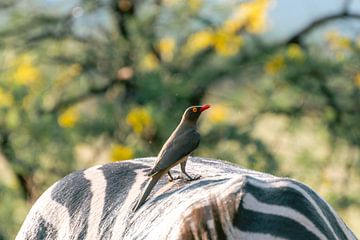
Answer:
(228, 202)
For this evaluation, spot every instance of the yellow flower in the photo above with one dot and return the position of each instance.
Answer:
(218, 114)
(166, 47)
(250, 15)
(357, 80)
(295, 52)
(121, 152)
(69, 118)
(256, 11)
(275, 65)
(198, 42)
(150, 62)
(227, 44)
(25, 73)
(139, 119)
(224, 43)
(194, 5)
(6, 99)
(233, 25)
(336, 41)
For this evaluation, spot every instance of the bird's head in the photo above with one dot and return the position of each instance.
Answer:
(192, 114)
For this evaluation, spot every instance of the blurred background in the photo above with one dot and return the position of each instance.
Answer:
(90, 82)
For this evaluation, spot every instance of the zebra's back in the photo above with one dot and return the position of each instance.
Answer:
(228, 202)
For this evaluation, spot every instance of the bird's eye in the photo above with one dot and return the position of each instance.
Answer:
(194, 109)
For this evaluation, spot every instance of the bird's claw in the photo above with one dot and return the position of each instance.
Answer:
(175, 178)
(189, 178)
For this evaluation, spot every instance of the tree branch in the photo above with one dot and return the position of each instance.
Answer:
(317, 23)
(7, 150)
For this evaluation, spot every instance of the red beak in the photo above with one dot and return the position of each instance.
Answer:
(204, 107)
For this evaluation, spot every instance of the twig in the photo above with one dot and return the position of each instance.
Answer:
(317, 23)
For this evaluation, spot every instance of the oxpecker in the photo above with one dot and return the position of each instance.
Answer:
(184, 140)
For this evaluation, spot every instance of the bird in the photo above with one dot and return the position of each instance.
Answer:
(184, 140)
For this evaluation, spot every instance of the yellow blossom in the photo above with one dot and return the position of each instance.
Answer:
(6, 99)
(68, 118)
(233, 25)
(120, 152)
(150, 62)
(227, 44)
(224, 42)
(198, 42)
(225, 39)
(166, 47)
(295, 52)
(26, 73)
(249, 15)
(357, 80)
(194, 5)
(139, 119)
(256, 13)
(218, 114)
(336, 41)
(275, 65)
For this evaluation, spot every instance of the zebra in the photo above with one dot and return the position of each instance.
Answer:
(227, 202)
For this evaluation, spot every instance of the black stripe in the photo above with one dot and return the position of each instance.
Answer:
(277, 226)
(327, 212)
(220, 234)
(322, 205)
(119, 178)
(41, 230)
(74, 193)
(291, 198)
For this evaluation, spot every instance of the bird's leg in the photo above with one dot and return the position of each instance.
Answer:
(189, 178)
(170, 177)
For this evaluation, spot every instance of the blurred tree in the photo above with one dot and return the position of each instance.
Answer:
(83, 82)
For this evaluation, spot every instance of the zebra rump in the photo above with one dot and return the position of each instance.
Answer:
(227, 202)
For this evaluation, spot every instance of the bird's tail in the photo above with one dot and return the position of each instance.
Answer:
(149, 186)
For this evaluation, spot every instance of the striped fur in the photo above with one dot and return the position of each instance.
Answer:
(228, 202)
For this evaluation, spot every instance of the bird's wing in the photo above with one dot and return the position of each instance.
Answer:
(180, 147)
